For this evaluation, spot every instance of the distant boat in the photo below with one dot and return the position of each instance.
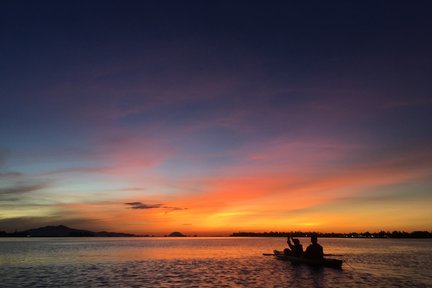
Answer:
(326, 262)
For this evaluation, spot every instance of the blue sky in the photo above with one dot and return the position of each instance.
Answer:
(220, 116)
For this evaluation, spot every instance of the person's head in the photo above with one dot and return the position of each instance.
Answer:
(314, 238)
(296, 242)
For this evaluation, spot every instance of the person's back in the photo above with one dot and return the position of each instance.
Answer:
(314, 250)
(297, 250)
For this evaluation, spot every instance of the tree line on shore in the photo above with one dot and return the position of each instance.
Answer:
(381, 234)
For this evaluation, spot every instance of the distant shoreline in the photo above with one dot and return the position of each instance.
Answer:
(64, 231)
(379, 235)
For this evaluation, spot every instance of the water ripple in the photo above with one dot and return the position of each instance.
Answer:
(241, 265)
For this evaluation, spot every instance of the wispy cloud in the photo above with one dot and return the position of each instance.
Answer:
(140, 205)
(78, 170)
(405, 102)
(22, 189)
(10, 175)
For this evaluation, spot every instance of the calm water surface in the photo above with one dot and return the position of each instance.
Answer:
(207, 262)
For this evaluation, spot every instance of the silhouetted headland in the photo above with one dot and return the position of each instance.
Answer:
(64, 231)
(176, 234)
(381, 234)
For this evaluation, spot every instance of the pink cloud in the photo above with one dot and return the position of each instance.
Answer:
(132, 156)
(303, 186)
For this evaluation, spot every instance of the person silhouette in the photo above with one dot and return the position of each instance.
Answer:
(314, 250)
(295, 249)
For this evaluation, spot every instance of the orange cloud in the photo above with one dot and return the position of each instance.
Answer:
(258, 199)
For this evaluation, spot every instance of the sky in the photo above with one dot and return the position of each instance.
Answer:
(213, 117)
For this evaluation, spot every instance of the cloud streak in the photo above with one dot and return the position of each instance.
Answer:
(140, 205)
(22, 189)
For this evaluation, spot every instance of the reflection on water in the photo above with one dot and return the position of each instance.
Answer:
(207, 262)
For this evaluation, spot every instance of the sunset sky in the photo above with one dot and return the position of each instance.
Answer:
(212, 117)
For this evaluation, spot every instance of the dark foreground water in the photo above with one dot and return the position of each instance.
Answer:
(207, 262)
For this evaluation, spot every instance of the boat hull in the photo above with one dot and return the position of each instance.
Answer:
(326, 262)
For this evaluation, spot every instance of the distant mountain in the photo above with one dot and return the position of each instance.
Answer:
(113, 234)
(176, 234)
(63, 231)
(56, 231)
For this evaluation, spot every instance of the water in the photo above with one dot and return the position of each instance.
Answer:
(207, 262)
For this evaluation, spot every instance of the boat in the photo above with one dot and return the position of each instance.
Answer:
(326, 262)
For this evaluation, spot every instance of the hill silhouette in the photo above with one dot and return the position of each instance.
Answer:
(63, 231)
(176, 234)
